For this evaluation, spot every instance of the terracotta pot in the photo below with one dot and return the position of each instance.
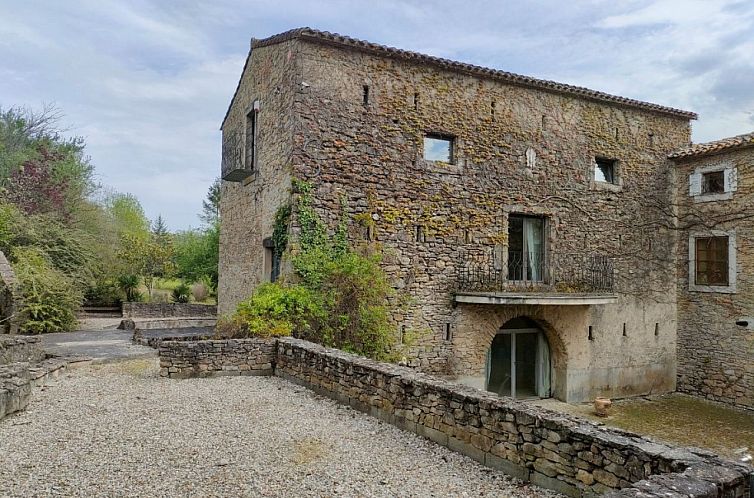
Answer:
(602, 406)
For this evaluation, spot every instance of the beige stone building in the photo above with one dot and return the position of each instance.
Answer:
(716, 270)
(531, 222)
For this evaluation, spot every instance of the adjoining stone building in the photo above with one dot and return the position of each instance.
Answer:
(530, 221)
(716, 270)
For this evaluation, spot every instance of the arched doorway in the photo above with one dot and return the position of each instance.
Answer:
(518, 361)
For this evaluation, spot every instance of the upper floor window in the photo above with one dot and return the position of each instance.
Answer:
(605, 171)
(251, 137)
(714, 182)
(712, 262)
(438, 148)
(526, 248)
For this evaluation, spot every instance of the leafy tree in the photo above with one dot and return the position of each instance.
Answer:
(146, 258)
(128, 215)
(197, 254)
(210, 214)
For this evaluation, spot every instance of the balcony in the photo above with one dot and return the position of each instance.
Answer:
(517, 277)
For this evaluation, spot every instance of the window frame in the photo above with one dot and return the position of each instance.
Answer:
(526, 220)
(730, 288)
(444, 137)
(730, 182)
(616, 185)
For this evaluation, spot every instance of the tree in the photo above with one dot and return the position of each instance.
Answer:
(159, 229)
(147, 258)
(210, 214)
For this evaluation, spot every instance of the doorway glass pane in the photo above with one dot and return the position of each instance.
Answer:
(499, 368)
(526, 365)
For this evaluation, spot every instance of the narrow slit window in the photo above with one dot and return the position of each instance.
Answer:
(657, 329)
(492, 110)
(448, 332)
(419, 233)
(251, 137)
(416, 101)
(438, 148)
(365, 95)
(590, 335)
(624, 330)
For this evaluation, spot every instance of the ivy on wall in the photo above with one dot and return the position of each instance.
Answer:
(336, 295)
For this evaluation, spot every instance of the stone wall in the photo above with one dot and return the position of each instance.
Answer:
(373, 156)
(560, 452)
(168, 310)
(271, 74)
(517, 150)
(715, 355)
(183, 359)
(547, 448)
(16, 355)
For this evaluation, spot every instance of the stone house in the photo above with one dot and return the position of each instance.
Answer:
(531, 222)
(716, 270)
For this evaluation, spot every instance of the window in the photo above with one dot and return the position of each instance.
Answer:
(713, 182)
(271, 260)
(251, 137)
(605, 171)
(526, 248)
(711, 261)
(438, 148)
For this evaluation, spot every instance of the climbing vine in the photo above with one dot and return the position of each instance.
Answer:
(337, 295)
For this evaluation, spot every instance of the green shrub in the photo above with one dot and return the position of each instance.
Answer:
(181, 293)
(103, 293)
(50, 298)
(129, 284)
(278, 310)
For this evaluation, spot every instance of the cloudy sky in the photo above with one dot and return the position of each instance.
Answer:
(148, 82)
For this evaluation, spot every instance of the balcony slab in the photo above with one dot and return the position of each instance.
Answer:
(544, 299)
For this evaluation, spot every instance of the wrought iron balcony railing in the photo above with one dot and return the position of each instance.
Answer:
(537, 272)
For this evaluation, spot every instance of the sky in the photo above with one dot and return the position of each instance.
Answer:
(147, 83)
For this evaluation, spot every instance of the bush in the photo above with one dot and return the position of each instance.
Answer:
(277, 310)
(181, 293)
(103, 293)
(129, 284)
(50, 299)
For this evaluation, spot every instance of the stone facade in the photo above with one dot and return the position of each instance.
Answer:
(350, 119)
(556, 451)
(168, 310)
(716, 324)
(211, 358)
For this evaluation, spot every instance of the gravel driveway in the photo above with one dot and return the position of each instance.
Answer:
(118, 430)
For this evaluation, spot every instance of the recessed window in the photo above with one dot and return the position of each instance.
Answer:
(711, 260)
(604, 170)
(365, 95)
(713, 182)
(438, 148)
(251, 137)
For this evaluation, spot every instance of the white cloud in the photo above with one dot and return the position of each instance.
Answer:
(148, 81)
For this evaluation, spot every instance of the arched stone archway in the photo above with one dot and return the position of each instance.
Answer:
(477, 327)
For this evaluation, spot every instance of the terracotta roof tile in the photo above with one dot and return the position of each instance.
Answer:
(517, 79)
(707, 148)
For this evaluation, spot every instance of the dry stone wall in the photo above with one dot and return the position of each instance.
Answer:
(16, 355)
(715, 355)
(553, 450)
(183, 359)
(168, 310)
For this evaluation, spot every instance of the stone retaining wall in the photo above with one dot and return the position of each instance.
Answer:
(10, 301)
(168, 310)
(17, 353)
(182, 359)
(550, 449)
(19, 348)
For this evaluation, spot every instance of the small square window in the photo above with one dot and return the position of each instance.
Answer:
(438, 148)
(604, 170)
(711, 261)
(713, 182)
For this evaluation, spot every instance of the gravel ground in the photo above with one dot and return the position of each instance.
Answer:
(119, 430)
